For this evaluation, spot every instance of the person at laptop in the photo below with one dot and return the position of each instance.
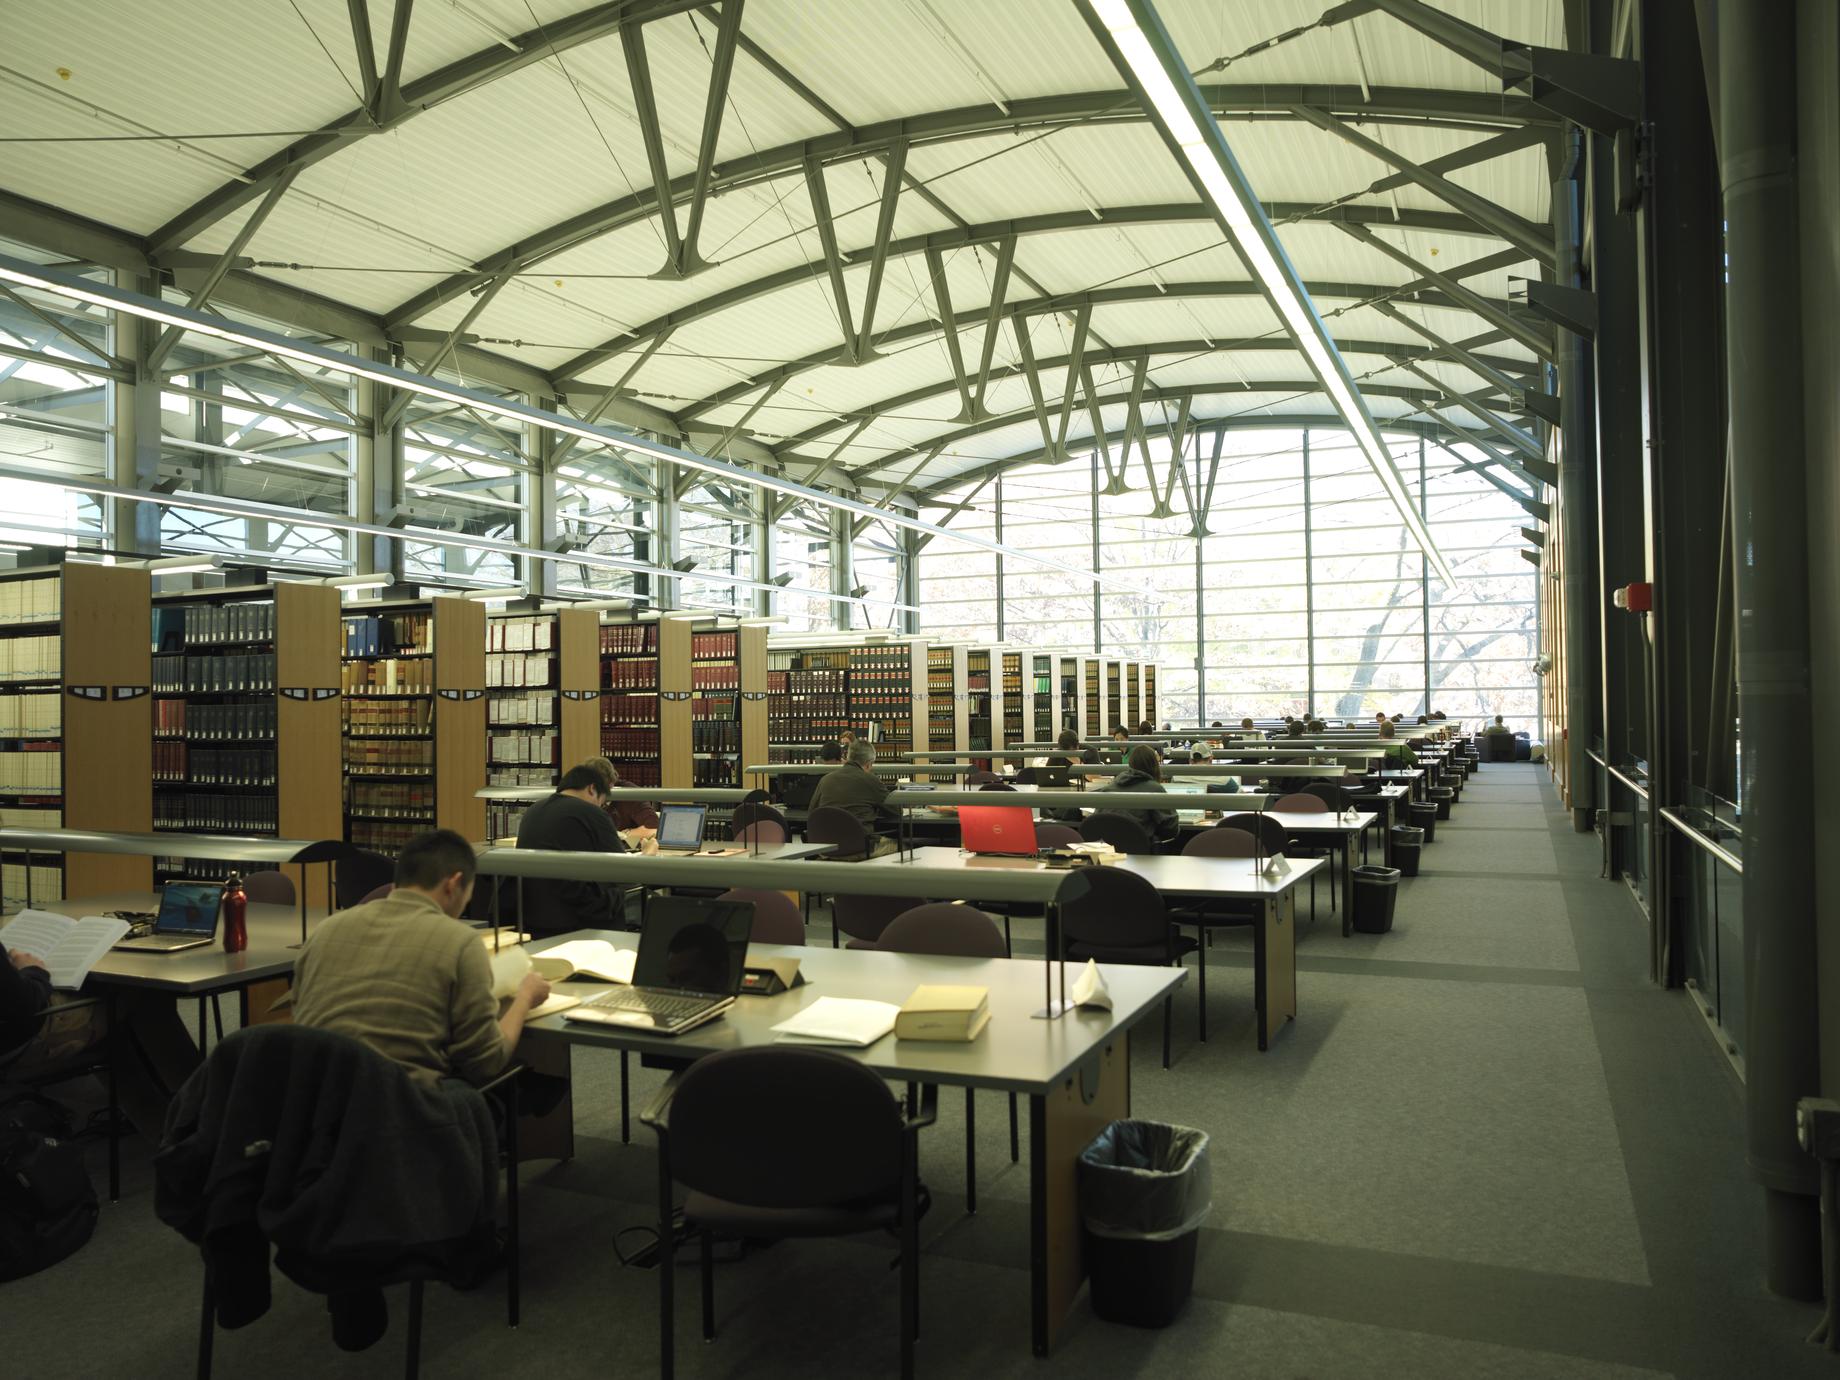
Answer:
(855, 787)
(1069, 751)
(1144, 772)
(573, 820)
(408, 978)
(634, 820)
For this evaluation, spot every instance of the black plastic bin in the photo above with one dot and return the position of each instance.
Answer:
(1145, 1188)
(1442, 797)
(1424, 814)
(1376, 890)
(1408, 840)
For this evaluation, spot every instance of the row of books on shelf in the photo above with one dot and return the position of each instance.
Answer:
(531, 707)
(176, 626)
(715, 675)
(715, 735)
(30, 772)
(527, 774)
(31, 817)
(720, 771)
(634, 771)
(216, 814)
(225, 673)
(29, 715)
(626, 743)
(535, 633)
(380, 757)
(525, 747)
(811, 682)
(390, 799)
(180, 761)
(519, 669)
(388, 676)
(389, 718)
(384, 634)
(382, 836)
(712, 646)
(627, 639)
(46, 881)
(636, 710)
(503, 818)
(629, 675)
(878, 668)
(31, 601)
(214, 722)
(31, 658)
(715, 707)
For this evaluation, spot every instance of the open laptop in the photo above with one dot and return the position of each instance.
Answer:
(1001, 829)
(187, 918)
(692, 951)
(680, 828)
(1052, 778)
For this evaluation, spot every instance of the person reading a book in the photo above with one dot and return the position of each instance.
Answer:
(573, 820)
(407, 977)
(634, 820)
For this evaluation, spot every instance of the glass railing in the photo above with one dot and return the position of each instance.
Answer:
(1628, 797)
(1710, 830)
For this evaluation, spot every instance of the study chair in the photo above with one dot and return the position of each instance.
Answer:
(187, 1170)
(1336, 797)
(1306, 802)
(850, 841)
(864, 918)
(269, 887)
(378, 894)
(1055, 835)
(957, 931)
(1047, 835)
(776, 918)
(1270, 834)
(776, 1143)
(762, 832)
(361, 873)
(758, 812)
(1121, 919)
(1206, 915)
(983, 776)
(1122, 831)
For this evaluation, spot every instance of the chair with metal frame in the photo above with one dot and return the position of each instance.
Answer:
(1120, 919)
(777, 1143)
(776, 918)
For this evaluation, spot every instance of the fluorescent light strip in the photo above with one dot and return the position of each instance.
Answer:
(1188, 124)
(269, 512)
(30, 275)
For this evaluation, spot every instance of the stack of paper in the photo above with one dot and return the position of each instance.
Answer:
(846, 1021)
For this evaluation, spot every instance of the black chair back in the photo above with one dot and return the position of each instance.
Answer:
(1120, 830)
(776, 917)
(758, 812)
(1336, 797)
(1221, 843)
(836, 826)
(864, 918)
(1269, 833)
(1026, 777)
(983, 776)
(357, 876)
(995, 784)
(1120, 910)
(944, 927)
(785, 1128)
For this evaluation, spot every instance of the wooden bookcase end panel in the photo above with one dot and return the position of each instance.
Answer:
(674, 691)
(309, 745)
(754, 726)
(578, 634)
(460, 716)
(108, 741)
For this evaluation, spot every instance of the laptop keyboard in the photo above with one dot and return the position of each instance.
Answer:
(657, 1004)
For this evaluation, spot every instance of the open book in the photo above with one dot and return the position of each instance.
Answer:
(849, 1021)
(69, 947)
(508, 968)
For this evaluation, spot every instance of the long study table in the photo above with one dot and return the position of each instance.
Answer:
(1074, 1070)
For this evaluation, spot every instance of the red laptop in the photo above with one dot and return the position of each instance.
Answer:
(998, 829)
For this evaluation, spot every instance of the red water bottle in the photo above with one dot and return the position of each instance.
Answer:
(236, 916)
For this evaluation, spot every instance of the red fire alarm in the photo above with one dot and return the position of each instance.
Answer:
(1637, 598)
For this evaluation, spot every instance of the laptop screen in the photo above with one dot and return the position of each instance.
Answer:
(681, 826)
(189, 908)
(695, 944)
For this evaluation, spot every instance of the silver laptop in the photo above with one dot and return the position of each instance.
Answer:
(187, 918)
(692, 955)
(680, 828)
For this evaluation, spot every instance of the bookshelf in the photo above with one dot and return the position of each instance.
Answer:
(888, 691)
(1092, 702)
(808, 699)
(715, 708)
(523, 700)
(1149, 683)
(1133, 695)
(629, 702)
(1044, 698)
(1072, 704)
(414, 681)
(945, 679)
(1013, 728)
(980, 698)
(1114, 695)
(31, 726)
(246, 720)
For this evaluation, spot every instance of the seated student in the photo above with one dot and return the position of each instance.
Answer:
(1144, 772)
(1071, 752)
(573, 820)
(1318, 726)
(855, 787)
(1294, 728)
(1498, 727)
(795, 788)
(1145, 726)
(406, 977)
(1396, 754)
(1243, 723)
(633, 820)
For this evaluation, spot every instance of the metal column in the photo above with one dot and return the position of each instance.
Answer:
(1757, 145)
(1577, 484)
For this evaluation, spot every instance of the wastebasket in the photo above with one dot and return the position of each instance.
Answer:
(1408, 840)
(1145, 1187)
(1376, 889)
(1442, 797)
(1424, 814)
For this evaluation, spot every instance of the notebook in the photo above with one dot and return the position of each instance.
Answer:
(852, 1022)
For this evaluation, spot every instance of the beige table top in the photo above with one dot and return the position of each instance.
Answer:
(273, 930)
(1016, 1053)
(1188, 876)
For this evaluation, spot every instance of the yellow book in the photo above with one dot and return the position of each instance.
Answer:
(943, 1013)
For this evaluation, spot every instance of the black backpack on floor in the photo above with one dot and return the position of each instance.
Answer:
(47, 1204)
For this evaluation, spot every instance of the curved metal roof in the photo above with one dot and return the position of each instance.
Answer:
(918, 238)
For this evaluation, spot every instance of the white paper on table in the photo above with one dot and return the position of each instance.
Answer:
(1089, 988)
(508, 969)
(850, 1021)
(596, 958)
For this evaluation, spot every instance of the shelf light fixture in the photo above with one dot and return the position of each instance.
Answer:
(1140, 47)
(183, 565)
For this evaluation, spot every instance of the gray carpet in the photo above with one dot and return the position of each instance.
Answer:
(1487, 1148)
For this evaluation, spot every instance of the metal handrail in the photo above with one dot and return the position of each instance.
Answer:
(1630, 782)
(1698, 836)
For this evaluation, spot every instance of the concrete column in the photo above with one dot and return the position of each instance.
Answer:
(1764, 308)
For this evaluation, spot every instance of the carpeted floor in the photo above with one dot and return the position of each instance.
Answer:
(1488, 1148)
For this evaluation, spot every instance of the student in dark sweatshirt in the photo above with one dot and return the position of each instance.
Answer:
(1144, 772)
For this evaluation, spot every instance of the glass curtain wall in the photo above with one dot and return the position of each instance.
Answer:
(469, 473)
(719, 527)
(1306, 593)
(876, 559)
(802, 554)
